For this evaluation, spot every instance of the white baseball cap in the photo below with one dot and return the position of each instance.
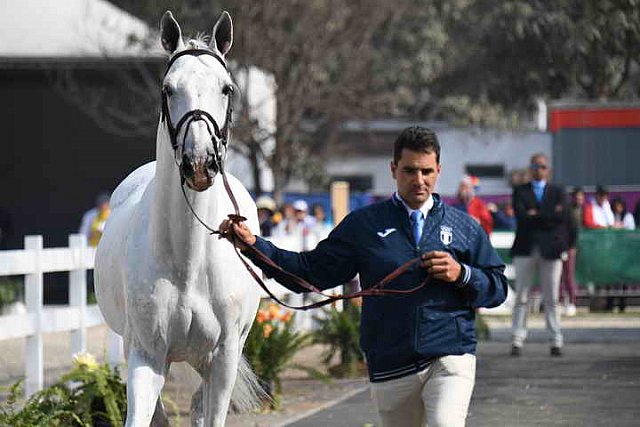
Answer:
(300, 205)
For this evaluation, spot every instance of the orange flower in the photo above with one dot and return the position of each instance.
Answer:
(286, 316)
(267, 330)
(262, 316)
(274, 312)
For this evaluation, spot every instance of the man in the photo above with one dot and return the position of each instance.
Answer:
(538, 246)
(471, 204)
(419, 347)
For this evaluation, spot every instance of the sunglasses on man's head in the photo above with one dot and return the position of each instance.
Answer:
(537, 166)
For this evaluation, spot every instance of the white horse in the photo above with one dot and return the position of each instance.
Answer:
(172, 291)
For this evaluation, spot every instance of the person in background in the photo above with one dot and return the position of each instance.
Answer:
(266, 208)
(322, 226)
(540, 209)
(503, 216)
(636, 214)
(297, 222)
(471, 204)
(567, 281)
(94, 220)
(597, 213)
(621, 217)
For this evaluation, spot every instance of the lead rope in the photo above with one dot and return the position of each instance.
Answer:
(289, 278)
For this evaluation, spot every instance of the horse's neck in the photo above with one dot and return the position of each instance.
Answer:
(175, 232)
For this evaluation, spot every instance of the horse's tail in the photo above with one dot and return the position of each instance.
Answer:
(247, 392)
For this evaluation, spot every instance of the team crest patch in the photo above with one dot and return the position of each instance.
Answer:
(446, 234)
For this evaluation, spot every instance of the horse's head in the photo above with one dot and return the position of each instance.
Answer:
(196, 100)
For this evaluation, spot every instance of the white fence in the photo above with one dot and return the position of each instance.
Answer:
(34, 260)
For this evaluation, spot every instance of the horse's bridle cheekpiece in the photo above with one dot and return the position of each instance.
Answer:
(221, 133)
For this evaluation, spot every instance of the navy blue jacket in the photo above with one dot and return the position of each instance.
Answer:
(401, 334)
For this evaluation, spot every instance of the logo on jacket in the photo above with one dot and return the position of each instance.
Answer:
(386, 232)
(446, 234)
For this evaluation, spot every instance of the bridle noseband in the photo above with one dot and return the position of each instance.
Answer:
(221, 133)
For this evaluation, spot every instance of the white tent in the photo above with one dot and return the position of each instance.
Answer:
(71, 28)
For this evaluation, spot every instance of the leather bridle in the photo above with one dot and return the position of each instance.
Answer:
(219, 134)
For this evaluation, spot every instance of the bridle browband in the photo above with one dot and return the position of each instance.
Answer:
(221, 133)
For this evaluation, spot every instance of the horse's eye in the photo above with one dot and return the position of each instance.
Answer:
(228, 90)
(167, 89)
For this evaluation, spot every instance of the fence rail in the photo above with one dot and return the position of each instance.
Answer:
(34, 261)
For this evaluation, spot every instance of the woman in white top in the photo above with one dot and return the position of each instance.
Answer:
(622, 218)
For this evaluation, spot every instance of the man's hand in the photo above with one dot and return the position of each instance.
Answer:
(243, 236)
(441, 266)
(532, 212)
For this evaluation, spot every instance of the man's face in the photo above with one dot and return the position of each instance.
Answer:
(539, 168)
(416, 174)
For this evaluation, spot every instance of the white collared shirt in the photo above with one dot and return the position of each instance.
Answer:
(425, 208)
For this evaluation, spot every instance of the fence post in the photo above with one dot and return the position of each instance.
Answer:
(34, 369)
(78, 292)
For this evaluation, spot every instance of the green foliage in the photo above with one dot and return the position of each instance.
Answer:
(10, 289)
(90, 394)
(339, 330)
(270, 347)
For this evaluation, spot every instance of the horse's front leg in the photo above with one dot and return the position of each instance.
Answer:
(146, 375)
(219, 381)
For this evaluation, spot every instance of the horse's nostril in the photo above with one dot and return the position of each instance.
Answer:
(187, 167)
(212, 165)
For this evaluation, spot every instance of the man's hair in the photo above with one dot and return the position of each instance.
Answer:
(601, 190)
(419, 139)
(539, 156)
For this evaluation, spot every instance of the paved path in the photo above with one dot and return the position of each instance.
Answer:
(596, 383)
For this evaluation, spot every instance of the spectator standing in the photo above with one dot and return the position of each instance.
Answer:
(420, 346)
(567, 282)
(540, 209)
(621, 217)
(266, 208)
(471, 204)
(322, 226)
(597, 213)
(94, 220)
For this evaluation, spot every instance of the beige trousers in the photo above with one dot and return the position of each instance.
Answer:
(437, 396)
(549, 272)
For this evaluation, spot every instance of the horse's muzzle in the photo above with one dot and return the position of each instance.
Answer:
(198, 176)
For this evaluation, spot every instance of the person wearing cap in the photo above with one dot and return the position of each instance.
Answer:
(598, 213)
(419, 346)
(541, 239)
(299, 223)
(266, 208)
(94, 220)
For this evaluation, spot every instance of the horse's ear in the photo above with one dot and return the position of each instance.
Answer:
(170, 33)
(222, 38)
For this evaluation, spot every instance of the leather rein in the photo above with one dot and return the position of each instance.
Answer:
(286, 278)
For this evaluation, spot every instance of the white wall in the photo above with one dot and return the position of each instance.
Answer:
(460, 146)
